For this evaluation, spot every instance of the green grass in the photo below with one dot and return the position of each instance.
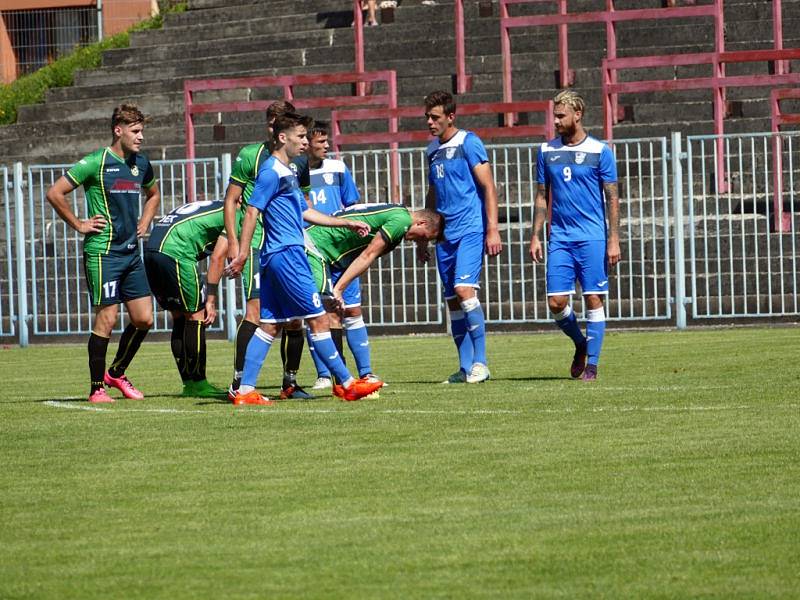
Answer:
(676, 475)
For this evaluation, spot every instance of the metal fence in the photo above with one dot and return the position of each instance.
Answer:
(683, 242)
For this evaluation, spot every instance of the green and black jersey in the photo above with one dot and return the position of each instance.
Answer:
(112, 186)
(339, 246)
(190, 231)
(244, 173)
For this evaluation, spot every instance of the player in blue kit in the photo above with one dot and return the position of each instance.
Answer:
(333, 189)
(288, 290)
(578, 170)
(462, 189)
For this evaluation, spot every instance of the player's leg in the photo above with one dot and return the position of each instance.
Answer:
(593, 275)
(355, 330)
(251, 280)
(446, 263)
(292, 340)
(469, 261)
(321, 275)
(561, 275)
(104, 297)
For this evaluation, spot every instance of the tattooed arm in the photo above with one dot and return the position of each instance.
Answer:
(612, 212)
(539, 217)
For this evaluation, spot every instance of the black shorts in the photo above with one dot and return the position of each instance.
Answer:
(114, 278)
(176, 283)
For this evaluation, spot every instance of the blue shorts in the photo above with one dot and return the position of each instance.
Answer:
(352, 293)
(584, 261)
(460, 262)
(288, 291)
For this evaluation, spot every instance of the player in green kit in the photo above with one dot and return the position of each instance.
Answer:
(338, 255)
(240, 188)
(113, 179)
(179, 240)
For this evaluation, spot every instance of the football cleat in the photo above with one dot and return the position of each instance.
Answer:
(358, 389)
(321, 383)
(458, 377)
(202, 389)
(100, 396)
(251, 398)
(578, 361)
(232, 392)
(478, 374)
(123, 384)
(590, 373)
(294, 392)
(372, 378)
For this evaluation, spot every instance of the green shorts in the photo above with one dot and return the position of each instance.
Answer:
(321, 271)
(251, 277)
(176, 283)
(114, 278)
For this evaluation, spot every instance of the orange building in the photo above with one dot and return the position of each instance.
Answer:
(35, 32)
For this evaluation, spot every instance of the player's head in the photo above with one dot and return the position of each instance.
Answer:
(568, 110)
(127, 125)
(426, 224)
(318, 144)
(289, 134)
(440, 112)
(275, 110)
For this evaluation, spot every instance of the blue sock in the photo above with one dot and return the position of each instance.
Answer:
(322, 370)
(595, 330)
(323, 344)
(476, 328)
(568, 323)
(458, 327)
(356, 332)
(254, 356)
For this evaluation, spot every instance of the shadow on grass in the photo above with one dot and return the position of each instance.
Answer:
(438, 382)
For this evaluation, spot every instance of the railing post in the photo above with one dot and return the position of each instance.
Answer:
(99, 20)
(677, 209)
(230, 284)
(22, 261)
(358, 35)
(463, 81)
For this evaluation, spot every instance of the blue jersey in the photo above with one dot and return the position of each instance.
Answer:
(277, 195)
(575, 175)
(332, 187)
(459, 198)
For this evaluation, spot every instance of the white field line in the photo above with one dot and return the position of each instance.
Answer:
(411, 411)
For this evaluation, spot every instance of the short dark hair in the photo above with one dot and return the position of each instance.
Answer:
(440, 98)
(127, 113)
(278, 109)
(319, 128)
(286, 121)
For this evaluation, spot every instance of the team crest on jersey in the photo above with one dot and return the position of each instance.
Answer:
(135, 171)
(451, 152)
(580, 157)
(328, 178)
(293, 167)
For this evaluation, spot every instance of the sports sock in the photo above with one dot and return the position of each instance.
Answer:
(356, 332)
(458, 327)
(336, 335)
(324, 345)
(568, 323)
(292, 342)
(176, 345)
(255, 356)
(476, 328)
(322, 370)
(243, 336)
(128, 346)
(595, 330)
(98, 345)
(193, 340)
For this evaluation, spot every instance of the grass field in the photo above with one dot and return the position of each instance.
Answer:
(676, 475)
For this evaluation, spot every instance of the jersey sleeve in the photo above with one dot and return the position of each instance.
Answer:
(608, 166)
(396, 227)
(84, 171)
(474, 151)
(541, 172)
(149, 177)
(349, 191)
(303, 173)
(241, 169)
(267, 184)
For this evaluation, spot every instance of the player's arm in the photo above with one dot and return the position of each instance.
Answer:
(316, 217)
(57, 197)
(423, 255)
(151, 204)
(612, 210)
(539, 217)
(232, 195)
(245, 237)
(377, 247)
(483, 175)
(216, 265)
